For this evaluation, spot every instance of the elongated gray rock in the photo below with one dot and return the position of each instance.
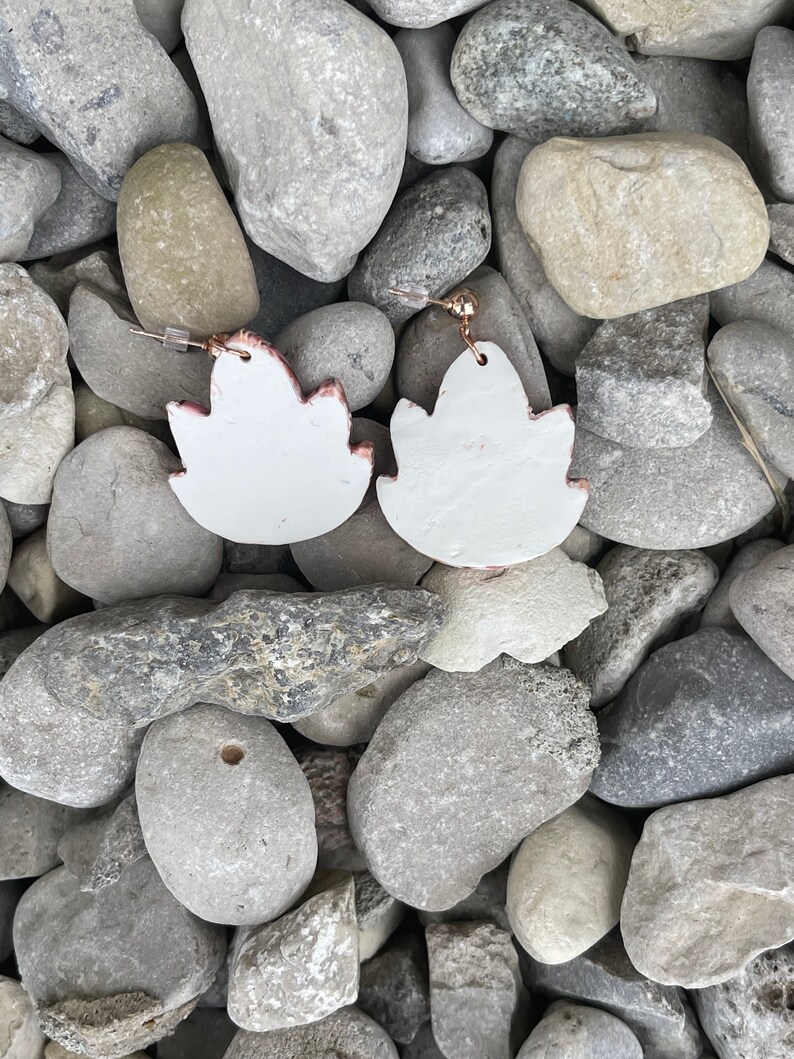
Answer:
(760, 599)
(710, 886)
(429, 833)
(348, 1033)
(30, 830)
(767, 297)
(313, 155)
(77, 217)
(574, 1031)
(771, 109)
(717, 611)
(102, 115)
(781, 230)
(394, 987)
(649, 594)
(29, 184)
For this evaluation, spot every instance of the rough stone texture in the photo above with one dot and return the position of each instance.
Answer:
(328, 774)
(431, 342)
(30, 184)
(98, 849)
(649, 593)
(25, 518)
(204, 1034)
(312, 192)
(421, 13)
(95, 965)
(710, 886)
(749, 1016)
(566, 881)
(161, 18)
(771, 109)
(767, 297)
(659, 1015)
(351, 342)
(394, 987)
(440, 131)
(56, 1051)
(116, 530)
(184, 257)
(543, 68)
(527, 611)
(33, 445)
(348, 1033)
(36, 584)
(573, 1031)
(15, 125)
(754, 365)
(717, 612)
(701, 717)
(30, 829)
(227, 584)
(761, 600)
(478, 1003)
(429, 831)
(641, 379)
(781, 230)
(20, 1036)
(102, 115)
(378, 914)
(692, 497)
(60, 275)
(485, 902)
(435, 234)
(14, 642)
(299, 969)
(560, 332)
(635, 252)
(710, 29)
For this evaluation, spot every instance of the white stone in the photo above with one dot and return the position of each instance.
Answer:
(34, 581)
(20, 1036)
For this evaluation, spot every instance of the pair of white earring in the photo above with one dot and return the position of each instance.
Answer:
(481, 483)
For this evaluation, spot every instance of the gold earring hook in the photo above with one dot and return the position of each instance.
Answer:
(464, 305)
(179, 340)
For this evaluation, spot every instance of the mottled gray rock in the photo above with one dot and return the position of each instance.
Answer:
(25, 518)
(312, 192)
(710, 886)
(649, 593)
(641, 379)
(95, 966)
(77, 217)
(97, 850)
(435, 234)
(227, 814)
(749, 1016)
(440, 131)
(717, 612)
(116, 530)
(394, 987)
(20, 1036)
(328, 774)
(689, 497)
(35, 583)
(429, 831)
(161, 18)
(485, 902)
(378, 914)
(781, 230)
(348, 1033)
(29, 184)
(230, 583)
(478, 1003)
(204, 1034)
(560, 332)
(352, 342)
(421, 13)
(30, 829)
(772, 110)
(574, 1031)
(15, 125)
(659, 1015)
(60, 275)
(14, 642)
(767, 296)
(431, 343)
(761, 601)
(543, 68)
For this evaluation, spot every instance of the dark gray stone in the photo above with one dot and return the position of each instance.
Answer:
(97, 850)
(25, 518)
(13, 643)
(256, 558)
(394, 987)
(30, 830)
(574, 1031)
(423, 1046)
(327, 771)
(77, 217)
(348, 1033)
(761, 600)
(717, 612)
(9, 895)
(772, 109)
(205, 1034)
(161, 18)
(767, 296)
(16, 126)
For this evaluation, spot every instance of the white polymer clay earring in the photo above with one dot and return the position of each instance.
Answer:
(264, 464)
(482, 482)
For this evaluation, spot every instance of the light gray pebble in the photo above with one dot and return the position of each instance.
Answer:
(97, 850)
(767, 297)
(161, 18)
(348, 1033)
(77, 217)
(60, 275)
(378, 914)
(25, 518)
(394, 987)
(781, 225)
(16, 126)
(574, 1031)
(772, 109)
(421, 13)
(435, 234)
(760, 598)
(35, 583)
(227, 584)
(30, 830)
(205, 1034)
(582, 545)
(717, 613)
(29, 185)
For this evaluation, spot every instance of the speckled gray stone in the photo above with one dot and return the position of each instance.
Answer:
(30, 829)
(60, 275)
(421, 13)
(95, 966)
(767, 296)
(29, 184)
(348, 1033)
(394, 987)
(543, 68)
(312, 192)
(772, 110)
(761, 600)
(560, 332)
(649, 593)
(717, 613)
(352, 342)
(327, 771)
(440, 131)
(161, 17)
(574, 1031)
(435, 234)
(781, 225)
(749, 1016)
(99, 848)
(701, 717)
(478, 1003)
(16, 126)
(641, 379)
(429, 831)
(20, 1036)
(486, 902)
(689, 497)
(659, 1015)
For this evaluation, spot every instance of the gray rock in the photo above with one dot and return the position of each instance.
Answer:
(582, 545)
(98, 849)
(135, 373)
(25, 518)
(116, 530)
(440, 131)
(478, 1003)
(429, 831)
(749, 1016)
(6, 546)
(761, 601)
(543, 68)
(485, 902)
(95, 966)
(348, 1033)
(641, 379)
(431, 343)
(689, 497)
(754, 365)
(60, 275)
(352, 342)
(717, 612)
(33, 445)
(226, 814)
(771, 109)
(35, 583)
(767, 297)
(394, 987)
(659, 1015)
(92, 414)
(299, 969)
(378, 914)
(328, 774)
(161, 18)
(781, 224)
(560, 332)
(435, 234)
(227, 584)
(15, 125)
(421, 13)
(14, 642)
(710, 886)
(29, 184)
(701, 717)
(21, 1036)
(30, 829)
(312, 192)
(574, 1031)
(205, 1034)
(650, 593)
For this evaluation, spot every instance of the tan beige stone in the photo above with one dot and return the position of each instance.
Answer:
(627, 223)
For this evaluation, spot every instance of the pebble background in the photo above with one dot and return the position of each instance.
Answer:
(335, 800)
